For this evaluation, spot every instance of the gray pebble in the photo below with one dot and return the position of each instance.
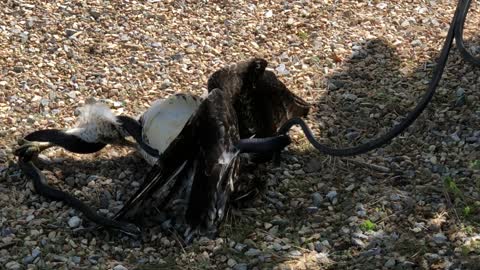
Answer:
(231, 262)
(76, 259)
(58, 258)
(361, 213)
(372, 252)
(471, 139)
(13, 265)
(439, 238)
(277, 246)
(70, 32)
(295, 253)
(253, 252)
(36, 252)
(93, 259)
(120, 267)
(351, 136)
(313, 165)
(359, 235)
(74, 222)
(312, 209)
(18, 69)
(351, 97)
(460, 99)
(332, 195)
(358, 242)
(28, 259)
(279, 221)
(390, 263)
(317, 199)
(240, 246)
(240, 266)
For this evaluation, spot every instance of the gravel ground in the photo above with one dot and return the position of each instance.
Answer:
(414, 204)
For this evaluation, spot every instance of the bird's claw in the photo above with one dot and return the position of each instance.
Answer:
(28, 149)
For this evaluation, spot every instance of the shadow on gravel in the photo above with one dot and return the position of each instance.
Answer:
(418, 206)
(399, 213)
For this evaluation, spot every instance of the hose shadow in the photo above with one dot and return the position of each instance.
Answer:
(368, 197)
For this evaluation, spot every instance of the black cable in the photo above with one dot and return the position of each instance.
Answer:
(456, 26)
(42, 188)
(263, 145)
(459, 35)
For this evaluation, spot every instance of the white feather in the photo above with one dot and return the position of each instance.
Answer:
(95, 123)
(165, 119)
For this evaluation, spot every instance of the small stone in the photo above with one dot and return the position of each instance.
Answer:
(358, 242)
(317, 199)
(268, 14)
(74, 222)
(93, 259)
(36, 252)
(70, 32)
(382, 5)
(28, 259)
(351, 136)
(72, 94)
(313, 165)
(277, 246)
(351, 97)
(29, 218)
(120, 267)
(332, 195)
(395, 197)
(58, 258)
(95, 14)
(454, 137)
(240, 246)
(117, 104)
(295, 253)
(18, 69)
(13, 265)
(76, 259)
(472, 139)
(70, 181)
(361, 213)
(282, 70)
(253, 252)
(240, 266)
(165, 84)
(231, 262)
(439, 238)
(390, 263)
(30, 119)
(44, 102)
(460, 99)
(416, 42)
(312, 209)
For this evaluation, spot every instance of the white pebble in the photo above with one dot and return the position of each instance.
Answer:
(74, 222)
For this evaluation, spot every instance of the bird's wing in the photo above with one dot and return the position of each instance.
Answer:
(196, 167)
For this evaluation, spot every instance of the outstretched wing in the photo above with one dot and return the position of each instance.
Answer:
(196, 170)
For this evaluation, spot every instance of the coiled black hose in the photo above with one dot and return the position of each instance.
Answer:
(455, 31)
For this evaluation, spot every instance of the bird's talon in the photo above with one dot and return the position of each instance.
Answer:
(28, 149)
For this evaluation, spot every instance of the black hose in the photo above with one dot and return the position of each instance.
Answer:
(456, 26)
(459, 35)
(263, 145)
(42, 188)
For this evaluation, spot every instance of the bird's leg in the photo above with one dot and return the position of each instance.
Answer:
(28, 149)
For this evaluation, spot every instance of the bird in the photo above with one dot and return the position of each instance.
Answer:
(196, 146)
